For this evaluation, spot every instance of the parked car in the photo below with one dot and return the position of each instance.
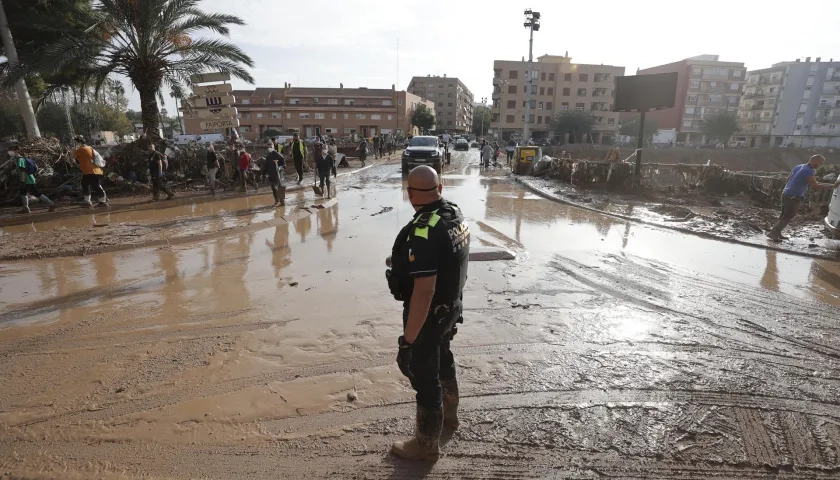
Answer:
(832, 220)
(422, 150)
(462, 144)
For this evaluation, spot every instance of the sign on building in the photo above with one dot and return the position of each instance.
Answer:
(214, 124)
(216, 113)
(218, 101)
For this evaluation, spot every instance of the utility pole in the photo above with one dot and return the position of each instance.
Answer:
(20, 85)
(532, 22)
(483, 113)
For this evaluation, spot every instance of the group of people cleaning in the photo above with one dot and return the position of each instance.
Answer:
(489, 152)
(272, 167)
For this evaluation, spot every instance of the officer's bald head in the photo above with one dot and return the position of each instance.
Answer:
(424, 186)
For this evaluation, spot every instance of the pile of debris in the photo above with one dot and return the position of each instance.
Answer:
(54, 161)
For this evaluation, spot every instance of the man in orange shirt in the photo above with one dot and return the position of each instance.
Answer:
(91, 174)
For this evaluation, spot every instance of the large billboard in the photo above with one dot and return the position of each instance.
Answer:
(645, 92)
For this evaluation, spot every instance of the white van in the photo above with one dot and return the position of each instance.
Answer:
(832, 221)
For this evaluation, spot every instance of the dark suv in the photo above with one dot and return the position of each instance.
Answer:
(423, 150)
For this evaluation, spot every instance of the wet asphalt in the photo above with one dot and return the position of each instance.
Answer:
(605, 349)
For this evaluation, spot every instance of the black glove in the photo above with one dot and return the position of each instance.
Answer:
(404, 357)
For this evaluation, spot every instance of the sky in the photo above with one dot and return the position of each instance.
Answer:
(377, 43)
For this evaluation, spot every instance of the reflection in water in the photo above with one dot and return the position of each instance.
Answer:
(825, 276)
(302, 227)
(328, 228)
(281, 256)
(770, 279)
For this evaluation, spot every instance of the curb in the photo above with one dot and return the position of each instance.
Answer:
(81, 251)
(559, 199)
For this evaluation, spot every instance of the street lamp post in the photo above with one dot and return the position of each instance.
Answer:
(483, 114)
(532, 22)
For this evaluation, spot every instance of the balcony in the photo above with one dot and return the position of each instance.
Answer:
(826, 119)
(831, 88)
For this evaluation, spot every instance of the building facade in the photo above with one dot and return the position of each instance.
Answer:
(558, 85)
(705, 86)
(453, 101)
(337, 112)
(794, 103)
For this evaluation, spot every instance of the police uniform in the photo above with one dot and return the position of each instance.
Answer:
(435, 242)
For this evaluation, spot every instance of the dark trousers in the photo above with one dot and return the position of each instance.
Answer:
(299, 168)
(159, 185)
(790, 205)
(324, 178)
(509, 156)
(29, 188)
(90, 183)
(431, 362)
(278, 190)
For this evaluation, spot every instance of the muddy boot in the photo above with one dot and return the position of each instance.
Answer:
(103, 202)
(86, 202)
(24, 199)
(49, 202)
(426, 442)
(450, 403)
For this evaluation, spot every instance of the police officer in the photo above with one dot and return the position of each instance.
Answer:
(429, 268)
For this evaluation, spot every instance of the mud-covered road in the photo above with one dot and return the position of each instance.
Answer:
(607, 349)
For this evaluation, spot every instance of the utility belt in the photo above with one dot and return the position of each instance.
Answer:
(445, 318)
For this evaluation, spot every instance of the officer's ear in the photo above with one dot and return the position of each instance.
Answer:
(440, 187)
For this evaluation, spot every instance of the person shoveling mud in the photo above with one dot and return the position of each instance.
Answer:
(794, 193)
(428, 272)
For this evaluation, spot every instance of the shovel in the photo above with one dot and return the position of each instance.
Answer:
(315, 188)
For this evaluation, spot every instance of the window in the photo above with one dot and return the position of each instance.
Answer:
(315, 100)
(511, 104)
(542, 76)
(610, 121)
(713, 84)
(509, 118)
(334, 116)
(772, 89)
(550, 77)
(689, 110)
(347, 116)
(692, 98)
(513, 74)
(551, 90)
(737, 73)
(449, 104)
(431, 85)
(319, 116)
(390, 117)
(549, 105)
(539, 120)
(431, 94)
(332, 101)
(294, 101)
(440, 104)
(304, 115)
(567, 92)
(583, 77)
(567, 77)
(276, 115)
(399, 102)
(579, 107)
(540, 106)
(542, 90)
(581, 92)
(451, 85)
(244, 129)
(731, 100)
(807, 88)
(696, 71)
(449, 123)
(687, 123)
(440, 85)
(831, 127)
(564, 106)
(278, 102)
(288, 115)
(695, 84)
(349, 101)
(349, 130)
(259, 115)
(765, 114)
(361, 116)
(375, 116)
(734, 86)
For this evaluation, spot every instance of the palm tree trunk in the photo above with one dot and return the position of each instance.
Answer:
(149, 112)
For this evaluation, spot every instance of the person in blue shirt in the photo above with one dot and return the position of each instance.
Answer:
(794, 193)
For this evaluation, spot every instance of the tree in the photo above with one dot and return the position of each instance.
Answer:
(423, 118)
(575, 124)
(720, 127)
(481, 120)
(271, 133)
(151, 42)
(631, 129)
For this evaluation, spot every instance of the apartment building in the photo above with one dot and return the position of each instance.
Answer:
(453, 101)
(558, 85)
(705, 86)
(338, 112)
(792, 103)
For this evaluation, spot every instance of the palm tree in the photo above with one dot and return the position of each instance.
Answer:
(152, 42)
